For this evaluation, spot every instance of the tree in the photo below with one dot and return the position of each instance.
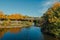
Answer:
(51, 20)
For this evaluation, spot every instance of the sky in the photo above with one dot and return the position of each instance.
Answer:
(34, 8)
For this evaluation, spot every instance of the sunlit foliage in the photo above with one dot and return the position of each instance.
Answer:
(50, 21)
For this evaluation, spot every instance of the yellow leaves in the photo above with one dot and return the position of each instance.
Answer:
(15, 16)
(12, 16)
(50, 20)
(56, 5)
(54, 19)
(2, 15)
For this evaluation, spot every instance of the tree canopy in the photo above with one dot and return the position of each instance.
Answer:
(50, 21)
(12, 16)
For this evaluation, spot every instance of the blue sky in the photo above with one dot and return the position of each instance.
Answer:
(26, 7)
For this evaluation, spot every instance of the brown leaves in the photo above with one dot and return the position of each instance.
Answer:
(56, 5)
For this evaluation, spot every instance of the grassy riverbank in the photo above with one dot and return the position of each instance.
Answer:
(12, 24)
(13, 27)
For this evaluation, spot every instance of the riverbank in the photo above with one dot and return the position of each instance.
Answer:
(14, 27)
(12, 24)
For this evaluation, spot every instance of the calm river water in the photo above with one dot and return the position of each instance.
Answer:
(32, 33)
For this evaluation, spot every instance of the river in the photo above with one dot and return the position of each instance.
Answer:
(32, 33)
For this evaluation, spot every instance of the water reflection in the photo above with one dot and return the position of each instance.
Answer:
(32, 33)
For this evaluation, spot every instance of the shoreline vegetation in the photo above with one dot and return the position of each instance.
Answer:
(14, 28)
(13, 23)
(50, 23)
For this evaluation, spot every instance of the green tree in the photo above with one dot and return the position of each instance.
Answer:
(51, 20)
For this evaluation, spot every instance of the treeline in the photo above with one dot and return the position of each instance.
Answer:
(12, 16)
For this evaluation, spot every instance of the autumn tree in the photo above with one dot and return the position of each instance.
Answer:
(50, 21)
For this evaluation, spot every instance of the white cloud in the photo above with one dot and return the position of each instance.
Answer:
(46, 5)
(42, 10)
(50, 2)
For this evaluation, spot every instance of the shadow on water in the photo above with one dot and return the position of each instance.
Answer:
(32, 33)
